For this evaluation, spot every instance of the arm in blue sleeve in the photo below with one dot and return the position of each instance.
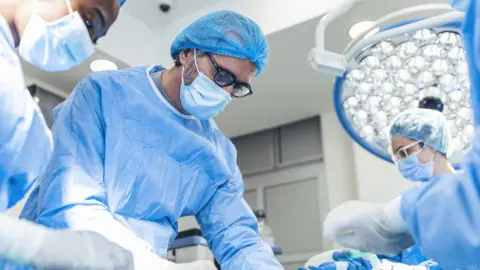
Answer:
(25, 139)
(72, 192)
(231, 229)
(443, 215)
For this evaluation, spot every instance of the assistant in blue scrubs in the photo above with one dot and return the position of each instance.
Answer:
(137, 149)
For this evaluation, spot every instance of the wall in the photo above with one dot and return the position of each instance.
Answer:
(339, 161)
(354, 173)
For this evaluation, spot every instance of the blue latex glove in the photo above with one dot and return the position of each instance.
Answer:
(431, 265)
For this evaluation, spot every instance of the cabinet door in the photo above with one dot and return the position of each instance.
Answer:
(299, 142)
(255, 152)
(293, 213)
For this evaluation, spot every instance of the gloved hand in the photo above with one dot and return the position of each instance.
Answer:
(349, 264)
(368, 227)
(89, 250)
(80, 250)
(26, 243)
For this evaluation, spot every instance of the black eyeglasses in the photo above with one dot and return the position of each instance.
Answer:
(225, 78)
(95, 21)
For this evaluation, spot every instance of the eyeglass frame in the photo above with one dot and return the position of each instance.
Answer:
(403, 149)
(234, 82)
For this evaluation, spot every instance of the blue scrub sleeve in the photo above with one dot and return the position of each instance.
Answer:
(31, 158)
(443, 215)
(231, 229)
(25, 139)
(72, 192)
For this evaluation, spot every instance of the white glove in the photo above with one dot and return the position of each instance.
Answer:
(368, 227)
(27, 243)
(147, 260)
(80, 250)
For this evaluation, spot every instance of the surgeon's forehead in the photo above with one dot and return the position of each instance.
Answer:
(244, 69)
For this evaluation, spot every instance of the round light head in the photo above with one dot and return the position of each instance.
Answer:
(360, 28)
(425, 68)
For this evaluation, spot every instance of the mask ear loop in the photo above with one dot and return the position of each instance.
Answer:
(183, 67)
(433, 156)
(69, 6)
(195, 61)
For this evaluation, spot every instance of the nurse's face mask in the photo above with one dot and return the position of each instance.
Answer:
(58, 45)
(407, 160)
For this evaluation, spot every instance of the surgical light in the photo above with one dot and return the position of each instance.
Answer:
(413, 61)
(359, 28)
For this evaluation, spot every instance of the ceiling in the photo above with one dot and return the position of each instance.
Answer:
(288, 90)
(66, 81)
(148, 11)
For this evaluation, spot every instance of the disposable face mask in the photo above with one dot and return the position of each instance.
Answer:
(58, 45)
(203, 98)
(412, 169)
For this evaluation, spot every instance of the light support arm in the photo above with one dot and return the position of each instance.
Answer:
(321, 59)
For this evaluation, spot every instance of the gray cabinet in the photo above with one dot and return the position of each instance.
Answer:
(294, 215)
(299, 142)
(283, 146)
(284, 175)
(255, 152)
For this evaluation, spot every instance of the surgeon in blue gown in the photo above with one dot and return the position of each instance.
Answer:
(137, 149)
(443, 215)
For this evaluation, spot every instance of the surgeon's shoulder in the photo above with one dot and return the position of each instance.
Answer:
(115, 79)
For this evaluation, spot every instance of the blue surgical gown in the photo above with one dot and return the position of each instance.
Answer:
(25, 140)
(128, 165)
(410, 256)
(443, 215)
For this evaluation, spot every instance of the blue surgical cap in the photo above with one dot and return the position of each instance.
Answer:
(122, 2)
(225, 33)
(425, 125)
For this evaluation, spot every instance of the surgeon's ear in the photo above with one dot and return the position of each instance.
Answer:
(185, 56)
